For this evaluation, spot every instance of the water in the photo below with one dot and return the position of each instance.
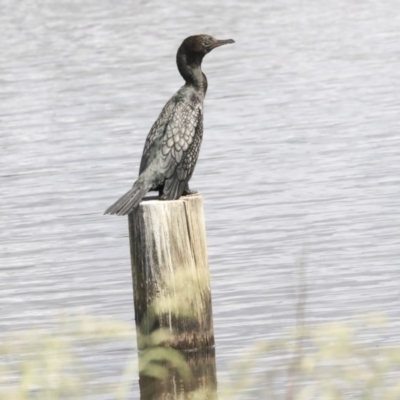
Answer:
(300, 158)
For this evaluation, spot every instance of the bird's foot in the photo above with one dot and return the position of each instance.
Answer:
(188, 192)
(163, 197)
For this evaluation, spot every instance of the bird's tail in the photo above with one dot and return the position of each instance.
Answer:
(129, 200)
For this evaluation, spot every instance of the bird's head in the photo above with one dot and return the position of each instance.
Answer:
(199, 45)
(202, 44)
(190, 56)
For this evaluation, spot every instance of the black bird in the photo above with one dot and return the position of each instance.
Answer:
(173, 143)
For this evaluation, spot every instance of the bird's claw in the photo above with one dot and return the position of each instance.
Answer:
(188, 192)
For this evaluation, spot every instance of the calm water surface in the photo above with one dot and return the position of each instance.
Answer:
(300, 158)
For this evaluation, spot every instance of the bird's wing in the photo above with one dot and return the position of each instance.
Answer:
(180, 147)
(156, 131)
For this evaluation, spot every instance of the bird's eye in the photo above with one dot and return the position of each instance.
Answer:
(206, 43)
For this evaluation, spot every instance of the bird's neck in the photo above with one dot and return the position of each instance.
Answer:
(189, 66)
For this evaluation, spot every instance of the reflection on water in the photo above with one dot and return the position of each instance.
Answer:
(300, 153)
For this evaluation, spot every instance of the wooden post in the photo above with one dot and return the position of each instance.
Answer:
(200, 384)
(171, 282)
(172, 299)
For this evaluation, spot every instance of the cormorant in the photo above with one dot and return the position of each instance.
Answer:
(173, 143)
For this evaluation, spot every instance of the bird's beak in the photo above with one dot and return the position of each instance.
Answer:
(222, 42)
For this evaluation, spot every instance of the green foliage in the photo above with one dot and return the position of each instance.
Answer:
(45, 365)
(40, 364)
(322, 362)
(319, 362)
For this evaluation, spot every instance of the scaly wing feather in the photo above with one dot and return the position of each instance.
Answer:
(181, 146)
(156, 132)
